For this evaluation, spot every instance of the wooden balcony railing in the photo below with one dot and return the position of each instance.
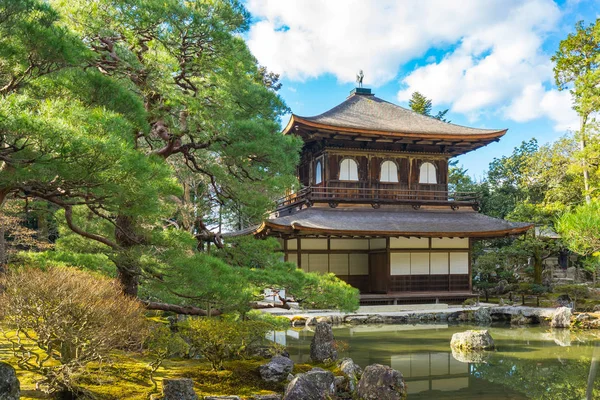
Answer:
(377, 196)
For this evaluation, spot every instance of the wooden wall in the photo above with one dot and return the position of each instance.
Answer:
(369, 168)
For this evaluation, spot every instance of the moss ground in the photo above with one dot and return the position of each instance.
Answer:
(128, 377)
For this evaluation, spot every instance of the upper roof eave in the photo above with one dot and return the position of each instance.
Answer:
(297, 120)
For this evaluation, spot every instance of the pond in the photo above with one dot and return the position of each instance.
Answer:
(529, 363)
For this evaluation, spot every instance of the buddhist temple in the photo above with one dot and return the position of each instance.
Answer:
(375, 206)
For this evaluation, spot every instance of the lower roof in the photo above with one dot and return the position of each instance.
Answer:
(392, 222)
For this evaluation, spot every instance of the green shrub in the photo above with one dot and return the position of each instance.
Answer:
(219, 339)
(161, 344)
(574, 291)
(469, 302)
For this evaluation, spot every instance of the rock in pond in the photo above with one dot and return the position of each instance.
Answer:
(276, 370)
(316, 384)
(322, 346)
(561, 318)
(472, 340)
(520, 319)
(178, 389)
(483, 316)
(10, 388)
(380, 382)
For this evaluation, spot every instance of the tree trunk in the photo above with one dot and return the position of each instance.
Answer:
(129, 281)
(127, 264)
(538, 266)
(586, 173)
(3, 251)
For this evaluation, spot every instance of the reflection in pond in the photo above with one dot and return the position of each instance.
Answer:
(530, 363)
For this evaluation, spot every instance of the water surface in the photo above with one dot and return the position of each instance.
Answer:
(529, 363)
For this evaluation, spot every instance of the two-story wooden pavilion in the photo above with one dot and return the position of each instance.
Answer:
(375, 208)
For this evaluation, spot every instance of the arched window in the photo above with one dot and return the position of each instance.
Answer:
(318, 173)
(389, 172)
(348, 170)
(428, 174)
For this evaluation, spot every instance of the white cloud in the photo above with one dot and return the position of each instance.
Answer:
(536, 102)
(306, 38)
(493, 49)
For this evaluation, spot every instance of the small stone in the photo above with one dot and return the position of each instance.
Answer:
(10, 388)
(276, 370)
(341, 383)
(348, 367)
(583, 317)
(322, 346)
(290, 377)
(597, 308)
(266, 397)
(178, 389)
(380, 382)
(561, 318)
(472, 340)
(327, 320)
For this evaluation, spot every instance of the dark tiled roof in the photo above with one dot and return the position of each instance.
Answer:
(364, 112)
(399, 221)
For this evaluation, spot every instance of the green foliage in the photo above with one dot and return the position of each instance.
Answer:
(161, 344)
(532, 288)
(311, 290)
(581, 228)
(574, 291)
(577, 66)
(218, 340)
(422, 105)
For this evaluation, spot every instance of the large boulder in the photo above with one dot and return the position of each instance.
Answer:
(178, 389)
(380, 382)
(276, 370)
(10, 389)
(316, 384)
(322, 346)
(561, 318)
(472, 340)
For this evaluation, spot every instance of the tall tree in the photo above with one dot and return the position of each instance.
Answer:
(151, 121)
(422, 105)
(207, 105)
(577, 63)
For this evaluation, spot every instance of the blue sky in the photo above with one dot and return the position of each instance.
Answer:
(488, 61)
